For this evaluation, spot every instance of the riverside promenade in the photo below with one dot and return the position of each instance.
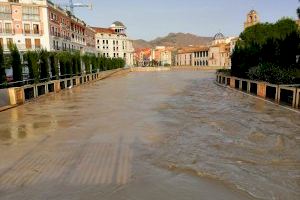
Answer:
(161, 135)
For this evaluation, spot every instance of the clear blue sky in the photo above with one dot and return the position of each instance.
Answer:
(148, 19)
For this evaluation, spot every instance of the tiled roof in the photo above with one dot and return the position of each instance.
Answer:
(192, 49)
(104, 30)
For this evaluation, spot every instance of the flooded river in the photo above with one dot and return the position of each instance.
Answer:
(165, 135)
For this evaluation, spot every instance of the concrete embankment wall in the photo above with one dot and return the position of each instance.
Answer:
(288, 95)
(15, 96)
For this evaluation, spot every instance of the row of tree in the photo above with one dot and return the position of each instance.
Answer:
(269, 52)
(43, 65)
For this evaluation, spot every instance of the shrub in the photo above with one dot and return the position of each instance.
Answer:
(226, 72)
(273, 74)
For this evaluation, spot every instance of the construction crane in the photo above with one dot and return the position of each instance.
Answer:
(72, 5)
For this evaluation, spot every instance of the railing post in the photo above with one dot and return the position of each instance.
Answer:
(297, 105)
(261, 89)
(232, 82)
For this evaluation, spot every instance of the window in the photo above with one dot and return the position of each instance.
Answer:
(5, 12)
(31, 13)
(1, 42)
(37, 43)
(36, 29)
(28, 43)
(27, 28)
(9, 41)
(8, 28)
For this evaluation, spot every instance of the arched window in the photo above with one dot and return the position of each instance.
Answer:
(206, 63)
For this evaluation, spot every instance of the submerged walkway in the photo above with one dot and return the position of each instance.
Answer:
(149, 136)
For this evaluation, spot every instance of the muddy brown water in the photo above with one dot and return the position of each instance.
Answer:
(166, 135)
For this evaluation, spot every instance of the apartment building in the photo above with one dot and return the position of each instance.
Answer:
(24, 23)
(68, 32)
(113, 42)
(37, 24)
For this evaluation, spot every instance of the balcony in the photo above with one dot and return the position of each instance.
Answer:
(23, 48)
(32, 32)
(7, 31)
(55, 34)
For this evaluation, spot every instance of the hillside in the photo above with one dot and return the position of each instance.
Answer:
(173, 39)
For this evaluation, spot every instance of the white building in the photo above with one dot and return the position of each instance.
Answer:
(113, 42)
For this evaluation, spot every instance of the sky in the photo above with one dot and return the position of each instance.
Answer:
(149, 19)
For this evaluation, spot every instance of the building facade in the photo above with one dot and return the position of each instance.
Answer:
(167, 56)
(192, 56)
(24, 23)
(113, 42)
(69, 33)
(41, 24)
(220, 51)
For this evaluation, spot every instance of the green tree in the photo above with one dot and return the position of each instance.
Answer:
(266, 47)
(54, 65)
(32, 58)
(76, 63)
(15, 62)
(44, 64)
(65, 63)
(2, 66)
(87, 63)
